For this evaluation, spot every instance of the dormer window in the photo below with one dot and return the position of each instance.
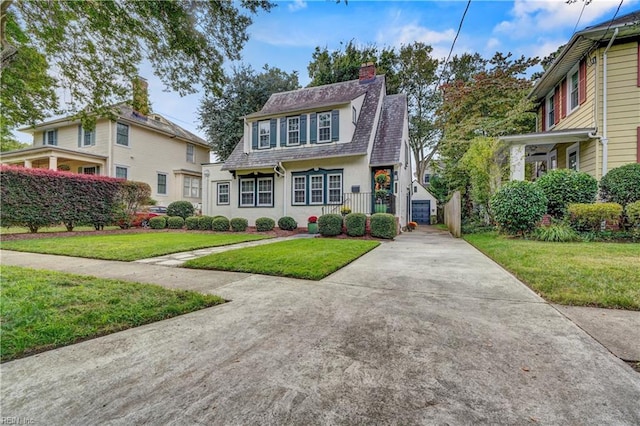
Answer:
(324, 127)
(264, 127)
(293, 131)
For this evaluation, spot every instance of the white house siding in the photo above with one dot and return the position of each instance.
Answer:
(421, 194)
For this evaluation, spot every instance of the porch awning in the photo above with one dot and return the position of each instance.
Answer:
(550, 138)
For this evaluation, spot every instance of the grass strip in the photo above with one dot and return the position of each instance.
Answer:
(128, 247)
(42, 310)
(4, 230)
(605, 275)
(306, 258)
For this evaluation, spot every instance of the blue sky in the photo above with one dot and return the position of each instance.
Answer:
(286, 37)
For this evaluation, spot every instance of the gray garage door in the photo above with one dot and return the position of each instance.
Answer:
(421, 211)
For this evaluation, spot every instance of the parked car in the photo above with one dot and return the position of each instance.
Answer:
(158, 209)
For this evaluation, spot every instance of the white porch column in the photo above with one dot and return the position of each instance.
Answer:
(53, 162)
(517, 162)
(27, 164)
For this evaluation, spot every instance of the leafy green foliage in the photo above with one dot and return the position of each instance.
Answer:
(175, 222)
(239, 224)
(192, 222)
(205, 223)
(559, 233)
(243, 93)
(589, 217)
(330, 225)
(158, 222)
(131, 196)
(184, 209)
(356, 224)
(287, 223)
(35, 198)
(633, 213)
(306, 258)
(621, 185)
(220, 224)
(383, 225)
(72, 308)
(264, 224)
(94, 52)
(565, 186)
(518, 206)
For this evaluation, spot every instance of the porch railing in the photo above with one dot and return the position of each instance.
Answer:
(363, 202)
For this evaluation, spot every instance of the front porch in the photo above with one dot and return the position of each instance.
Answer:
(54, 158)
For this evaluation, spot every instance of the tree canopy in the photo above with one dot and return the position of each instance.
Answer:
(92, 50)
(244, 92)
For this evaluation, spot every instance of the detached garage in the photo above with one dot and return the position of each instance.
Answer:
(423, 204)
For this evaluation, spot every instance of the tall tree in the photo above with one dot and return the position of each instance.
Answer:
(244, 92)
(93, 49)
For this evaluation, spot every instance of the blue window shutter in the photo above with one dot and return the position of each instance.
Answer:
(254, 135)
(283, 131)
(273, 141)
(79, 169)
(335, 125)
(313, 128)
(93, 136)
(44, 137)
(303, 129)
(79, 136)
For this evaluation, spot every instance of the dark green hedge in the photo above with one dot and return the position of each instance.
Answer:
(264, 224)
(191, 222)
(565, 186)
(184, 209)
(239, 224)
(383, 225)
(220, 224)
(205, 223)
(518, 206)
(621, 185)
(158, 222)
(330, 225)
(287, 223)
(175, 222)
(356, 224)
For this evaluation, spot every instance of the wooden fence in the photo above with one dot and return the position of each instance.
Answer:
(452, 214)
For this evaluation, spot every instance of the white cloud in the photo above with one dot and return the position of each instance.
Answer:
(297, 5)
(493, 44)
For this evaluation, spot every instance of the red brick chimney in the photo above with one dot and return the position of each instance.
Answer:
(367, 73)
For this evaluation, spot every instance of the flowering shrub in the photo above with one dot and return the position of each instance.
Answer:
(312, 219)
(345, 210)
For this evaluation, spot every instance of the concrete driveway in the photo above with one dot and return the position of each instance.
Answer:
(422, 330)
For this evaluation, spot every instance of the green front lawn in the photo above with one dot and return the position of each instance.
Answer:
(128, 247)
(307, 258)
(42, 310)
(606, 275)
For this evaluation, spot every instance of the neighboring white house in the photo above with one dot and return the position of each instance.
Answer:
(311, 151)
(423, 204)
(146, 148)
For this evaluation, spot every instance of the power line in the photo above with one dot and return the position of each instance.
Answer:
(611, 22)
(584, 4)
(444, 66)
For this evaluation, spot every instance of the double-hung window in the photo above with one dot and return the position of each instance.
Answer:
(122, 134)
(265, 192)
(316, 189)
(551, 111)
(191, 153)
(293, 131)
(264, 129)
(191, 187)
(223, 193)
(121, 172)
(324, 127)
(50, 137)
(334, 188)
(161, 187)
(86, 137)
(300, 190)
(247, 192)
(574, 88)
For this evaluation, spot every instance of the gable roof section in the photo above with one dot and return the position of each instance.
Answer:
(388, 142)
(579, 46)
(306, 99)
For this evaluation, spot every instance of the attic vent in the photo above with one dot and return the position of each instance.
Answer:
(156, 117)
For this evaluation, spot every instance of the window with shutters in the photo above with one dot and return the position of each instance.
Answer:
(324, 127)
(573, 79)
(334, 184)
(50, 137)
(86, 137)
(551, 109)
(293, 131)
(264, 138)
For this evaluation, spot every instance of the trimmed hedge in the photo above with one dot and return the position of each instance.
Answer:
(184, 209)
(264, 224)
(205, 223)
(621, 185)
(220, 224)
(287, 223)
(158, 222)
(356, 224)
(175, 222)
(330, 225)
(589, 217)
(239, 224)
(518, 206)
(633, 214)
(191, 222)
(34, 198)
(565, 186)
(383, 225)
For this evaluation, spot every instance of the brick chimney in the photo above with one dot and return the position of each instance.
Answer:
(367, 73)
(140, 96)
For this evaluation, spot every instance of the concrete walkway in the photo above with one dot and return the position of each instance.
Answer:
(422, 330)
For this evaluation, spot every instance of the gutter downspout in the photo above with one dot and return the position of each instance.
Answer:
(603, 139)
(282, 172)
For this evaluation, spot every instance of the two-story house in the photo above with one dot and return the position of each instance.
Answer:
(146, 148)
(588, 104)
(313, 150)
